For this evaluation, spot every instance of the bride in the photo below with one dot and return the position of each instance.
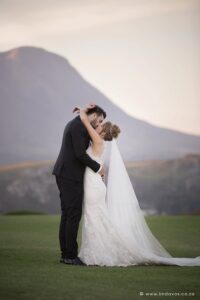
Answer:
(114, 230)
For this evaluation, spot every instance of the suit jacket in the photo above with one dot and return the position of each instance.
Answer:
(73, 159)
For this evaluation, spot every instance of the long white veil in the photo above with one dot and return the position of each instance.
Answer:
(127, 216)
(124, 209)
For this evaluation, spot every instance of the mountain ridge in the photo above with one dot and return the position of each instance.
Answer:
(47, 87)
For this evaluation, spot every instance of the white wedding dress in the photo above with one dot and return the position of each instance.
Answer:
(114, 230)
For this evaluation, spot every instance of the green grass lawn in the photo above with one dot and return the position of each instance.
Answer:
(30, 268)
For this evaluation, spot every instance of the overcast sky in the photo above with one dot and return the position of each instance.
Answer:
(143, 54)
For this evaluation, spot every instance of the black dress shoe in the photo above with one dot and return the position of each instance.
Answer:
(78, 261)
(73, 261)
(68, 261)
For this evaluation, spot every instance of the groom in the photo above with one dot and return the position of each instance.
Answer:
(69, 171)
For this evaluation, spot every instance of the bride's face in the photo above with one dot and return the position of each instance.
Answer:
(99, 129)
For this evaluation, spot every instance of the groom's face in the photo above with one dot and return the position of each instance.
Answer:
(96, 120)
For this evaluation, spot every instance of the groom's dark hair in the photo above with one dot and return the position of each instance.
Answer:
(98, 110)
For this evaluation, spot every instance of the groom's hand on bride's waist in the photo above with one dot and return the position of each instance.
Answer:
(102, 172)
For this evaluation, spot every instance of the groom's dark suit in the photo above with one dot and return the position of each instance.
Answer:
(69, 171)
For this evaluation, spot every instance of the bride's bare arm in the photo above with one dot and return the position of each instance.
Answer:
(97, 141)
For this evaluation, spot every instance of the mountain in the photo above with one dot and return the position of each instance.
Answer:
(38, 90)
(169, 186)
(162, 187)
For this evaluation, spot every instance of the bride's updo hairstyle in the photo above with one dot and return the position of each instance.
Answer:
(111, 131)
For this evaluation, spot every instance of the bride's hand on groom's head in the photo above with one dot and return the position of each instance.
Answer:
(82, 113)
(88, 107)
(76, 109)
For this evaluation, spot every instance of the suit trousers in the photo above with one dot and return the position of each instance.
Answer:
(71, 198)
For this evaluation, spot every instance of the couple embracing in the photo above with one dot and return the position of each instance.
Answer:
(114, 230)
